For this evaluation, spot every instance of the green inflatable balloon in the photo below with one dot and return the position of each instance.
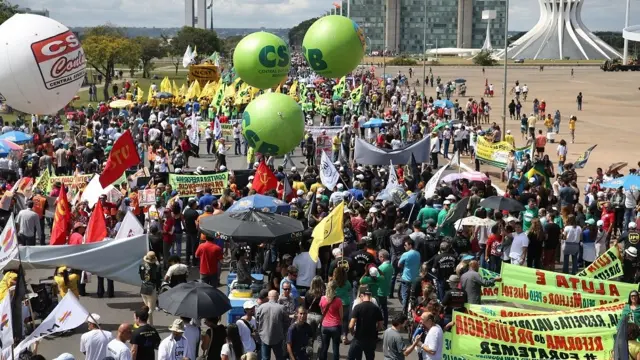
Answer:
(273, 124)
(262, 60)
(333, 46)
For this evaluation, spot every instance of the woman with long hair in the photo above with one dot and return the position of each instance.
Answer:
(631, 311)
(312, 303)
(536, 237)
(331, 307)
(572, 236)
(232, 349)
(66, 281)
(343, 291)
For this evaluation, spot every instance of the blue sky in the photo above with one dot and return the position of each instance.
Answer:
(597, 14)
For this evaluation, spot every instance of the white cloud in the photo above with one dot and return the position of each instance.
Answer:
(597, 14)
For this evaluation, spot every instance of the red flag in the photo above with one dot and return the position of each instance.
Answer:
(123, 155)
(61, 219)
(264, 180)
(97, 228)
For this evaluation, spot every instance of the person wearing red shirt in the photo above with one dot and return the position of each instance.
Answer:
(359, 224)
(77, 236)
(210, 256)
(168, 227)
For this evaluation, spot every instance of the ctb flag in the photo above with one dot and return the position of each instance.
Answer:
(61, 219)
(264, 180)
(329, 231)
(123, 155)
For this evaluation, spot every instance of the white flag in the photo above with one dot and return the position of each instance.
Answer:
(6, 329)
(430, 188)
(393, 177)
(129, 227)
(328, 173)
(94, 189)
(8, 243)
(455, 160)
(217, 129)
(68, 315)
(187, 58)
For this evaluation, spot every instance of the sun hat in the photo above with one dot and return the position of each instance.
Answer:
(633, 252)
(150, 257)
(249, 304)
(94, 319)
(454, 279)
(177, 326)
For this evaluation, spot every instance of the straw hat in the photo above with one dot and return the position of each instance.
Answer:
(177, 326)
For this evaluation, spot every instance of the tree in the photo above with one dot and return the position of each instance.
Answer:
(204, 41)
(484, 58)
(229, 44)
(297, 33)
(104, 47)
(6, 11)
(150, 48)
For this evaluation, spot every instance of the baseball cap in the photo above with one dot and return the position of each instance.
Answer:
(249, 304)
(364, 289)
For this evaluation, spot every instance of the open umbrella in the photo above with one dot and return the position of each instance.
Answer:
(443, 104)
(374, 123)
(262, 203)
(501, 203)
(251, 226)
(474, 221)
(163, 95)
(617, 166)
(440, 126)
(195, 300)
(17, 137)
(119, 104)
(6, 147)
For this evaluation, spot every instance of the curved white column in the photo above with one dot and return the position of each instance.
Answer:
(561, 33)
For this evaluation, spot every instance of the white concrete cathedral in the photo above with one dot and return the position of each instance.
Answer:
(560, 33)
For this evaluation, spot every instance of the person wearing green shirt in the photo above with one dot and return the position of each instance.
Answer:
(426, 213)
(530, 212)
(372, 279)
(447, 230)
(403, 133)
(384, 288)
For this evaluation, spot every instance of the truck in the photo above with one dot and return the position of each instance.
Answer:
(616, 65)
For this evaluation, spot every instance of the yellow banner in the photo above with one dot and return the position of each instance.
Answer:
(600, 319)
(607, 266)
(479, 337)
(553, 290)
(494, 154)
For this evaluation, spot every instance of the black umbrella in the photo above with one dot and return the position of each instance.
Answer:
(252, 226)
(195, 300)
(501, 203)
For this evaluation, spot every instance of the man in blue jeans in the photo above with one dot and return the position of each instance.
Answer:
(272, 319)
(410, 264)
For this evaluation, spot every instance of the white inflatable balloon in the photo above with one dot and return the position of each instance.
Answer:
(42, 64)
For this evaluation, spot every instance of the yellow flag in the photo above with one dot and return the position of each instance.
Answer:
(140, 95)
(175, 90)
(328, 231)
(165, 85)
(150, 94)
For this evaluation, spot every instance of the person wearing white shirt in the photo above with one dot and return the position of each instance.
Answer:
(518, 252)
(208, 136)
(93, 343)
(117, 347)
(307, 269)
(337, 197)
(175, 346)
(431, 349)
(192, 334)
(435, 150)
(247, 325)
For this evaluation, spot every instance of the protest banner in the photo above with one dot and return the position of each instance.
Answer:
(601, 319)
(186, 185)
(497, 310)
(489, 292)
(203, 73)
(147, 197)
(493, 153)
(330, 131)
(486, 338)
(323, 145)
(606, 266)
(551, 290)
(77, 182)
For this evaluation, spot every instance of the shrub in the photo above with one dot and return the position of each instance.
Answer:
(402, 61)
(484, 58)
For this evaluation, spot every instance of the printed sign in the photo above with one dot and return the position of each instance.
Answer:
(606, 266)
(494, 154)
(203, 73)
(186, 185)
(147, 197)
(60, 59)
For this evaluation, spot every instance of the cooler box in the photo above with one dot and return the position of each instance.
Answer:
(232, 276)
(551, 137)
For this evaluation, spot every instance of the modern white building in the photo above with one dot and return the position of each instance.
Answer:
(195, 13)
(559, 34)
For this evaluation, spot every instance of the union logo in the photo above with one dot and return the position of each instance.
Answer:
(4, 322)
(64, 317)
(7, 241)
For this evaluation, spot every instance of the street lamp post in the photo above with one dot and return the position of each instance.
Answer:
(625, 52)
(424, 45)
(504, 89)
